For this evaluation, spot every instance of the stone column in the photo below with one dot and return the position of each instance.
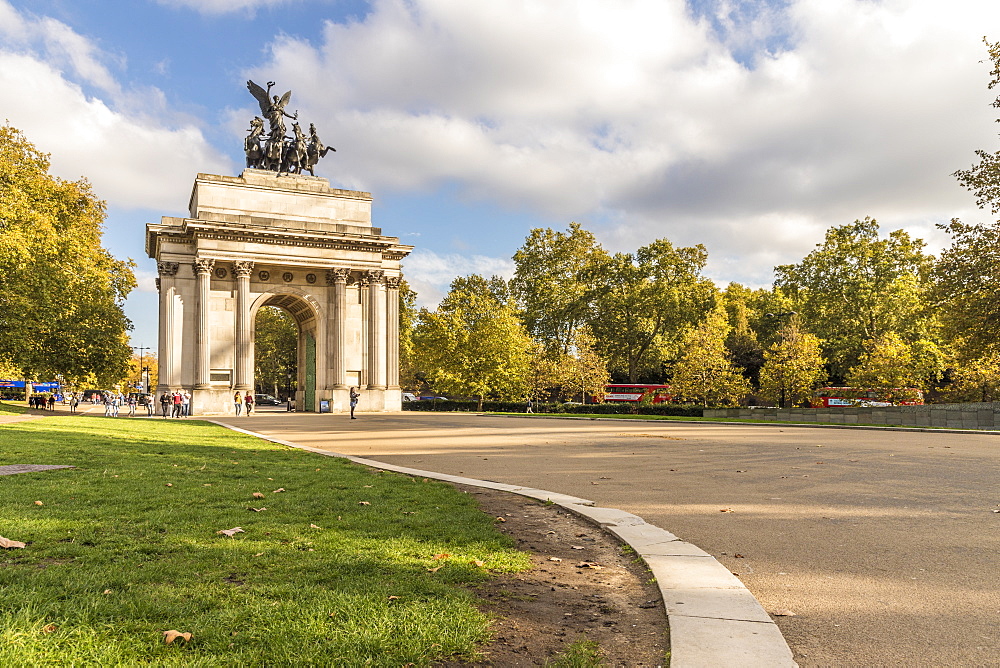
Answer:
(376, 330)
(336, 332)
(392, 332)
(365, 281)
(165, 340)
(244, 338)
(203, 352)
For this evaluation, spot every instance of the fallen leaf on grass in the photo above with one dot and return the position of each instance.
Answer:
(313, 526)
(106, 591)
(364, 503)
(39, 503)
(172, 635)
(231, 532)
(443, 555)
(170, 484)
(7, 542)
(257, 510)
(280, 489)
(258, 495)
(434, 570)
(395, 598)
(368, 486)
(49, 628)
(783, 613)
(481, 564)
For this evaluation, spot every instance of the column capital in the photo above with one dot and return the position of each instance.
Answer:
(373, 276)
(243, 268)
(392, 282)
(167, 268)
(203, 265)
(337, 275)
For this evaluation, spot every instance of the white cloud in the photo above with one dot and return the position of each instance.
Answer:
(133, 159)
(635, 118)
(430, 274)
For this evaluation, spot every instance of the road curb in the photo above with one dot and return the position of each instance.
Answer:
(714, 619)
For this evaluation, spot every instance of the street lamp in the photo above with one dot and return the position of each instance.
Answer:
(143, 367)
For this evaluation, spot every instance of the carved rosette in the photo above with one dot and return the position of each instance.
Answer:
(337, 275)
(167, 268)
(243, 268)
(203, 266)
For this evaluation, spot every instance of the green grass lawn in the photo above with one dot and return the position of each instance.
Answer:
(9, 408)
(336, 571)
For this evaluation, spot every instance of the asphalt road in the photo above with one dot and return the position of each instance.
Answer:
(884, 544)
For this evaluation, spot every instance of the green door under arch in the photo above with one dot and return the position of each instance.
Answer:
(310, 388)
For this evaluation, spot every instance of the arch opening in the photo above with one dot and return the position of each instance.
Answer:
(284, 351)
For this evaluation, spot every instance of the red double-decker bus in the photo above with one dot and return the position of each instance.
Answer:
(635, 392)
(858, 396)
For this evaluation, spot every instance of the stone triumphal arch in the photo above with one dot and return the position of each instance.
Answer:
(285, 240)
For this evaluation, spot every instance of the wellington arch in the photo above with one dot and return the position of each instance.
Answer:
(284, 240)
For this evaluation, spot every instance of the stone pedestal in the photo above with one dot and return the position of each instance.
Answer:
(288, 241)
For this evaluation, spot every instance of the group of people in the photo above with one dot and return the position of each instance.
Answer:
(175, 404)
(239, 401)
(41, 402)
(114, 401)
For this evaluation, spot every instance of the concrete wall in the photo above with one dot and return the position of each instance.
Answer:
(952, 416)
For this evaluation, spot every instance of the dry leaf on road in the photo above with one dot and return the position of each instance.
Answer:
(783, 613)
(7, 542)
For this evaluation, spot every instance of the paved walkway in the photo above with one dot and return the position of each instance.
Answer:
(883, 544)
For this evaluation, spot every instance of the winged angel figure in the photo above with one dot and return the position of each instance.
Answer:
(280, 153)
(273, 109)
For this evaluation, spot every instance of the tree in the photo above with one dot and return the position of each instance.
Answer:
(705, 375)
(473, 344)
(641, 303)
(890, 362)
(793, 367)
(576, 373)
(967, 285)
(550, 283)
(61, 293)
(137, 374)
(407, 317)
(275, 348)
(856, 287)
(975, 380)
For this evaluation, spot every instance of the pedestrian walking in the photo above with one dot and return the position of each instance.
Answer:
(185, 403)
(530, 406)
(176, 402)
(164, 403)
(131, 404)
(74, 401)
(237, 402)
(248, 401)
(354, 401)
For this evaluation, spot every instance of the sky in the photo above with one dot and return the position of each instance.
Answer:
(749, 126)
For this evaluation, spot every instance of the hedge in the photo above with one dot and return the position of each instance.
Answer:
(587, 409)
